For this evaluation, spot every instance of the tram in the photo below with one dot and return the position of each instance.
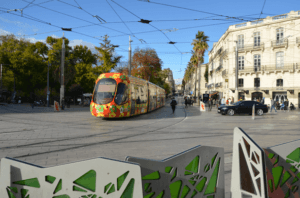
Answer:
(117, 95)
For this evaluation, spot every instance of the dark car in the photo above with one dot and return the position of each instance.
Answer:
(220, 107)
(244, 107)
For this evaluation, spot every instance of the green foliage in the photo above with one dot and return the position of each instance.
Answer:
(106, 57)
(206, 73)
(167, 87)
(25, 61)
(85, 76)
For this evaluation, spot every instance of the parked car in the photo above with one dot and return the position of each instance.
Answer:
(244, 107)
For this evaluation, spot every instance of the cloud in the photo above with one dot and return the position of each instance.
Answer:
(178, 81)
(81, 42)
(17, 23)
(4, 32)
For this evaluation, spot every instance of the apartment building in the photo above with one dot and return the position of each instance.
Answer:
(267, 57)
(170, 81)
(191, 86)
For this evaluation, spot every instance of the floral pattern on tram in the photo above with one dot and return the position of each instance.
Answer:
(112, 110)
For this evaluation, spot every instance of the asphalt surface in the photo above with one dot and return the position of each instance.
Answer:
(47, 138)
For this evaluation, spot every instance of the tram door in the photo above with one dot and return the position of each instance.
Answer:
(133, 98)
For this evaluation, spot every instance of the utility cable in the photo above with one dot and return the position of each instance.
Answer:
(194, 10)
(76, 17)
(149, 24)
(28, 5)
(121, 19)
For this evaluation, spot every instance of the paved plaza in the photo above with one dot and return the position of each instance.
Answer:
(47, 138)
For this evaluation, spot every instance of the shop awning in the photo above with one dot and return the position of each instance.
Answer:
(213, 93)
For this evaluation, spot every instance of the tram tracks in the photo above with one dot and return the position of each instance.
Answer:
(44, 143)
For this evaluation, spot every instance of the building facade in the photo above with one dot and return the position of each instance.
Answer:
(170, 81)
(267, 58)
(192, 85)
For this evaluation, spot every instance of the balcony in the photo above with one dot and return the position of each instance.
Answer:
(251, 47)
(224, 73)
(218, 84)
(219, 68)
(279, 43)
(298, 41)
(288, 67)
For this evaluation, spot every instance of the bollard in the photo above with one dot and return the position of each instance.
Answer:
(253, 112)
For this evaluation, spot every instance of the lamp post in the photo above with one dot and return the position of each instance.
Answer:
(48, 92)
(129, 57)
(62, 88)
(236, 71)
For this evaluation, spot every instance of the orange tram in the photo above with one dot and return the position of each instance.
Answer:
(117, 95)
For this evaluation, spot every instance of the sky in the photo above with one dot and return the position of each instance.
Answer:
(171, 20)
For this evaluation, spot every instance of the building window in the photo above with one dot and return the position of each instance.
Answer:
(279, 35)
(279, 83)
(256, 62)
(279, 60)
(241, 62)
(256, 82)
(256, 39)
(241, 41)
(241, 82)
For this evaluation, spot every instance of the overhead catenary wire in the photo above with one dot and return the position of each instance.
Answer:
(121, 19)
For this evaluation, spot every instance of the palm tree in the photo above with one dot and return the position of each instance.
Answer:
(200, 46)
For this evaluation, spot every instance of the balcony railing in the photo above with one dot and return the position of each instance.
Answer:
(224, 73)
(219, 68)
(280, 43)
(271, 68)
(251, 47)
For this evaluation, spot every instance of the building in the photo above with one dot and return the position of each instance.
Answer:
(268, 53)
(191, 86)
(171, 81)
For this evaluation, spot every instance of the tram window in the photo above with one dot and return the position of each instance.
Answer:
(122, 94)
(104, 91)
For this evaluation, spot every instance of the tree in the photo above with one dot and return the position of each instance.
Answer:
(167, 88)
(200, 46)
(106, 57)
(146, 64)
(206, 73)
(26, 61)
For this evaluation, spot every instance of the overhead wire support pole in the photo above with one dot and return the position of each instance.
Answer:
(236, 71)
(62, 88)
(129, 58)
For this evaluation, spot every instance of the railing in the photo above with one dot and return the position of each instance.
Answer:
(285, 67)
(283, 16)
(257, 22)
(251, 47)
(279, 43)
(240, 25)
(219, 68)
(224, 73)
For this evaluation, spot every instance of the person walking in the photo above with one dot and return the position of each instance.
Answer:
(209, 104)
(227, 102)
(282, 106)
(31, 102)
(272, 105)
(173, 104)
(214, 102)
(263, 100)
(185, 102)
(241, 99)
(223, 101)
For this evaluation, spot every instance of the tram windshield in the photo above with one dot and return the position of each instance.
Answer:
(105, 91)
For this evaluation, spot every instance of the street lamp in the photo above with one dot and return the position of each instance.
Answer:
(236, 71)
(48, 92)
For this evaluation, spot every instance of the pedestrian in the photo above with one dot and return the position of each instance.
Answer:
(227, 102)
(254, 99)
(173, 104)
(241, 99)
(217, 103)
(209, 104)
(272, 105)
(282, 106)
(63, 103)
(230, 101)
(263, 100)
(185, 102)
(189, 101)
(214, 102)
(223, 101)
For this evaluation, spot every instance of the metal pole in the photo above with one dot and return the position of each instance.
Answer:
(62, 88)
(48, 92)
(199, 79)
(236, 72)
(129, 57)
(1, 81)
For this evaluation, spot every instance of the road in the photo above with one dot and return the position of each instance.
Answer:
(46, 138)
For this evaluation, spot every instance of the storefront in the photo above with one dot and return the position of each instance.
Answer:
(256, 95)
(279, 96)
